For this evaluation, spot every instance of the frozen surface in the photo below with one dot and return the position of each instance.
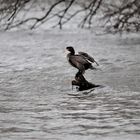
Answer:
(36, 100)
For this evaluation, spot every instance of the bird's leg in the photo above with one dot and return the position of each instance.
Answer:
(80, 78)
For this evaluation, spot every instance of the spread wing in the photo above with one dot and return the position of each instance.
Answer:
(78, 61)
(88, 57)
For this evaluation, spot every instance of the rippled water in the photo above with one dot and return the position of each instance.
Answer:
(36, 99)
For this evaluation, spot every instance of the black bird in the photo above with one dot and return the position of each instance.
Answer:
(81, 61)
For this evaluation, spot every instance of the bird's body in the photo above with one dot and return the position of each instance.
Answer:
(81, 61)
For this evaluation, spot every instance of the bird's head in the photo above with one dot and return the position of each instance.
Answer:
(70, 49)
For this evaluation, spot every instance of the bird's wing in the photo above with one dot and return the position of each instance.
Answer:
(79, 59)
(88, 57)
(78, 62)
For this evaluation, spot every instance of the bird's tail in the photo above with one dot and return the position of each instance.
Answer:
(93, 68)
(96, 63)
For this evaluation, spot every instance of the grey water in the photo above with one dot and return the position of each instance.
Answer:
(36, 99)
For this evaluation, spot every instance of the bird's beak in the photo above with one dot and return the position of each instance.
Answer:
(66, 51)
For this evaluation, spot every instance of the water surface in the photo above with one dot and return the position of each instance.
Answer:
(36, 99)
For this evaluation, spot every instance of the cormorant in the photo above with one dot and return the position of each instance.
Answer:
(81, 61)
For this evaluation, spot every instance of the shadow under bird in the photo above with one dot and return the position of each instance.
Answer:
(82, 61)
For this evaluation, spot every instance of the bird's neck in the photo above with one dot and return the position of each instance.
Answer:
(68, 56)
(72, 52)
